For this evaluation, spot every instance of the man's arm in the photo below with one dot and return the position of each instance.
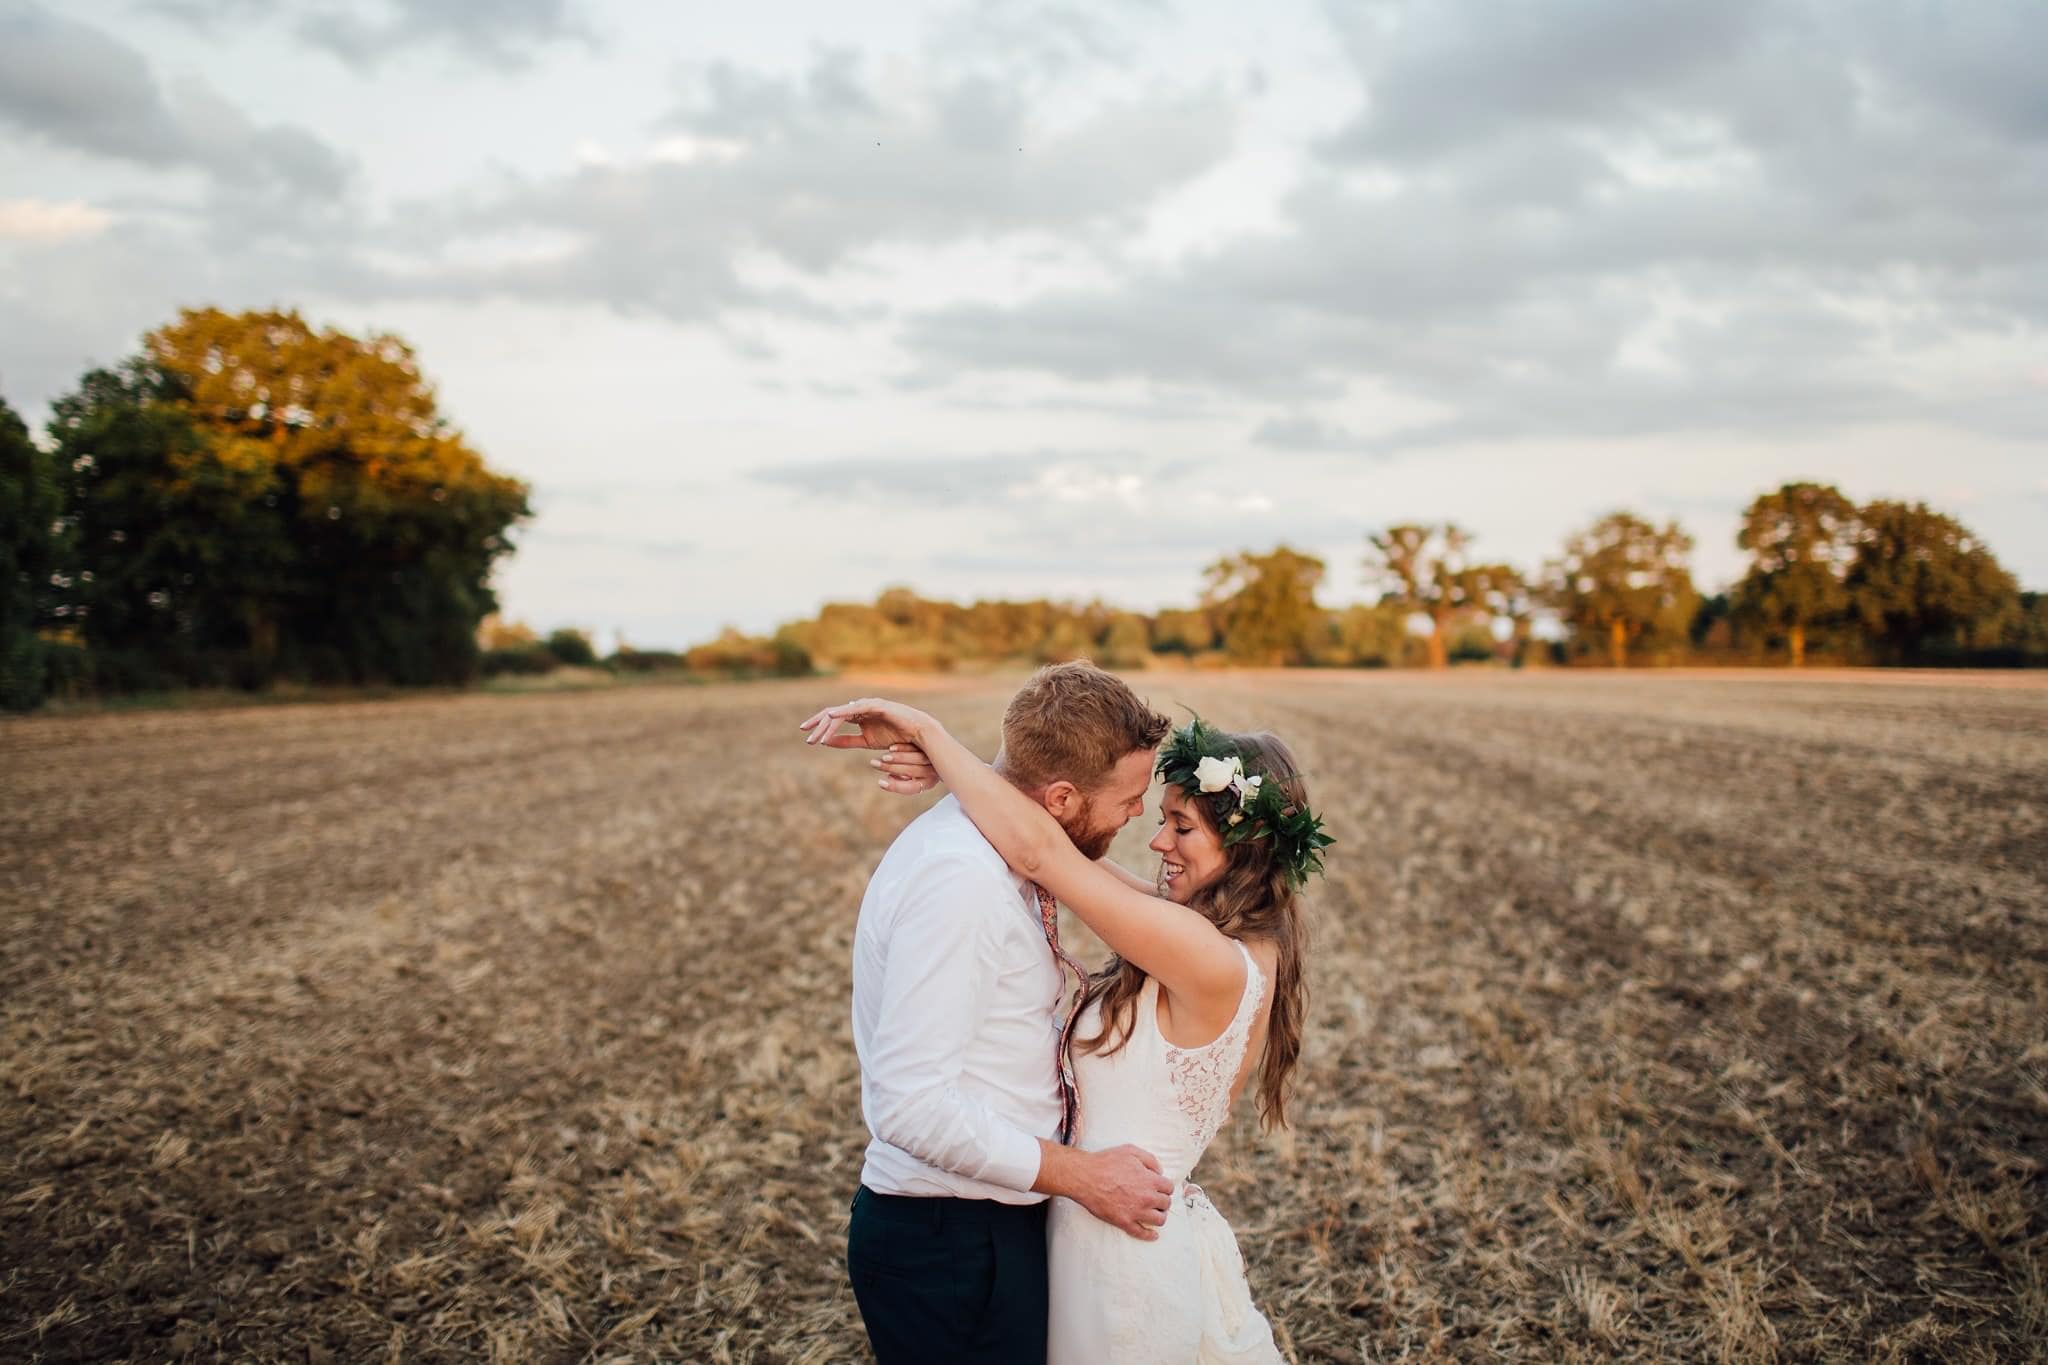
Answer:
(1122, 1186)
(943, 964)
(941, 973)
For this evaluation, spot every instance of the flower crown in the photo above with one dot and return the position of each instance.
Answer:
(1202, 762)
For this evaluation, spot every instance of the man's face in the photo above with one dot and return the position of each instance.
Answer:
(1111, 806)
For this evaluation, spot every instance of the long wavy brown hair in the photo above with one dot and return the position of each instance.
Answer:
(1250, 899)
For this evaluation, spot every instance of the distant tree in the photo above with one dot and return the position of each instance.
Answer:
(1266, 605)
(1503, 594)
(1427, 571)
(2030, 631)
(1365, 635)
(1177, 631)
(1126, 642)
(495, 632)
(572, 647)
(1712, 626)
(735, 652)
(1007, 630)
(30, 538)
(1921, 579)
(1800, 539)
(1624, 580)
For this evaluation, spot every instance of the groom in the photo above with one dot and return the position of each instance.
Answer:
(957, 1001)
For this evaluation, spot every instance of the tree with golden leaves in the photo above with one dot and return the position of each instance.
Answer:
(1801, 539)
(1922, 582)
(1426, 570)
(266, 499)
(1623, 581)
(1266, 605)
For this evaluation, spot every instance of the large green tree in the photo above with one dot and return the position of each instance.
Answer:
(179, 558)
(1266, 605)
(1920, 579)
(30, 534)
(1624, 581)
(1425, 569)
(1800, 539)
(252, 498)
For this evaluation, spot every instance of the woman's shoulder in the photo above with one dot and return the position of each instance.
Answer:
(1263, 951)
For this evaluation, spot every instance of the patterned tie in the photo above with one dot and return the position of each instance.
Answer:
(1070, 1098)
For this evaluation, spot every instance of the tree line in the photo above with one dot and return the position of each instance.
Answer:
(245, 501)
(1879, 583)
(248, 500)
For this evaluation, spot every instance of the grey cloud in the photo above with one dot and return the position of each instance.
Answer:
(943, 481)
(1657, 218)
(1307, 433)
(1453, 71)
(75, 85)
(499, 33)
(80, 87)
(812, 168)
(1104, 509)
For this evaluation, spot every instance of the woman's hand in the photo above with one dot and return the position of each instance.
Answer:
(906, 770)
(881, 722)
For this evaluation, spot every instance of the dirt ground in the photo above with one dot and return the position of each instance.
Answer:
(1653, 1017)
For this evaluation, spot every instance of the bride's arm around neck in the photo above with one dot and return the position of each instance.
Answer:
(1189, 955)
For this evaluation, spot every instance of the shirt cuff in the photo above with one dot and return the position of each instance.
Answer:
(1013, 1163)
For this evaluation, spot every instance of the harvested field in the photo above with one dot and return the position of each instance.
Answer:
(1654, 1018)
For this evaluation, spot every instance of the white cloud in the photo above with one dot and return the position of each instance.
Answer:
(42, 220)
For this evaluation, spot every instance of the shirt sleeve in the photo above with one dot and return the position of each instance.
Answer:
(943, 961)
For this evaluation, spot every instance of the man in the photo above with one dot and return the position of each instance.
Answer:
(957, 1001)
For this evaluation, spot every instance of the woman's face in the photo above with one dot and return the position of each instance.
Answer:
(1191, 854)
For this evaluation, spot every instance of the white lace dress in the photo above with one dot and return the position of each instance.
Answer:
(1182, 1298)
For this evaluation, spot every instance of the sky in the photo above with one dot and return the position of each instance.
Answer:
(778, 303)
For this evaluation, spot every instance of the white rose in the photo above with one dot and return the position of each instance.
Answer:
(1214, 774)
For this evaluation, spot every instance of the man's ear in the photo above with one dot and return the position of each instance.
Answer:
(1061, 798)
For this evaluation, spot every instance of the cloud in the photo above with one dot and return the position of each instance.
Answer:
(1607, 217)
(506, 34)
(1078, 512)
(1307, 433)
(76, 86)
(760, 183)
(44, 220)
(942, 481)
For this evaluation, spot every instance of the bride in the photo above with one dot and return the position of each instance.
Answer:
(1203, 996)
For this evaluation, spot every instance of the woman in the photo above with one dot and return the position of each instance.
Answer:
(1205, 983)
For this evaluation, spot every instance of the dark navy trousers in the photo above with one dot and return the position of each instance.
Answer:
(949, 1279)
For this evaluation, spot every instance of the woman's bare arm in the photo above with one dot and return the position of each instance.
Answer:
(907, 771)
(1191, 957)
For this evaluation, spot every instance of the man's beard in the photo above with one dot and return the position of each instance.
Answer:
(1093, 843)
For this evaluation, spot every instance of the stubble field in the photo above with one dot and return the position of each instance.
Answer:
(1656, 1017)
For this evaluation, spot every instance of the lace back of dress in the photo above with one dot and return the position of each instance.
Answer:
(1202, 1076)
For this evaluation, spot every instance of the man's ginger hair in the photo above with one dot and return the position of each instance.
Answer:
(1073, 722)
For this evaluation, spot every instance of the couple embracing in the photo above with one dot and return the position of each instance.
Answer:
(1025, 1196)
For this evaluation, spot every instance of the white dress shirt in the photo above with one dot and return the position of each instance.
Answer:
(956, 1000)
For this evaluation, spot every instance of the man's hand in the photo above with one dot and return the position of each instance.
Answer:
(906, 770)
(1121, 1186)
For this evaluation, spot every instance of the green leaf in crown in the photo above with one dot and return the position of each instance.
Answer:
(1205, 764)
